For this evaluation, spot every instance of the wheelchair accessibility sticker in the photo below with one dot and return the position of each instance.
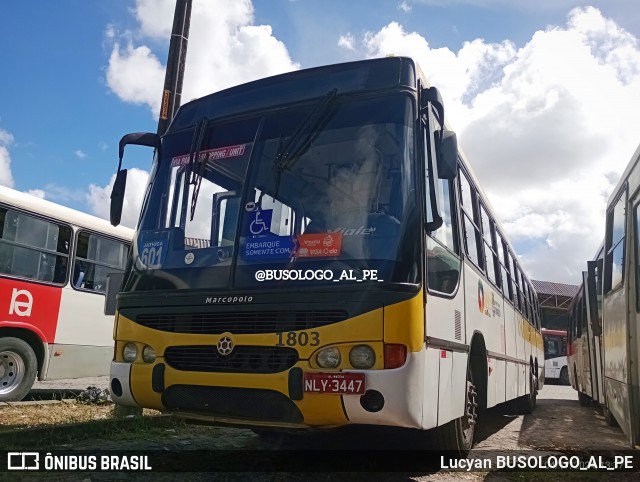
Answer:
(261, 242)
(257, 223)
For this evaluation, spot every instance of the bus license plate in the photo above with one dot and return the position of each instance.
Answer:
(341, 383)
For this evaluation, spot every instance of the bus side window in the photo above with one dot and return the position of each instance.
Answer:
(33, 248)
(614, 246)
(96, 257)
(443, 262)
(470, 227)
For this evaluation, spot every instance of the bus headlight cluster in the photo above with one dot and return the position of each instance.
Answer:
(148, 354)
(130, 352)
(328, 357)
(362, 356)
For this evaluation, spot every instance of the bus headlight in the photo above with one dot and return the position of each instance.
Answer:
(130, 352)
(328, 357)
(148, 354)
(362, 356)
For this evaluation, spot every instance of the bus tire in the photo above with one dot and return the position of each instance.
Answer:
(564, 376)
(527, 403)
(456, 436)
(584, 399)
(608, 416)
(18, 369)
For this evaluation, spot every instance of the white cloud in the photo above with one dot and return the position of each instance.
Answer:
(80, 154)
(136, 76)
(347, 41)
(99, 198)
(548, 127)
(404, 6)
(225, 48)
(37, 193)
(6, 178)
(514, 4)
(62, 194)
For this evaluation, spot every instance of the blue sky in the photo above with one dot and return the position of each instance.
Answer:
(77, 75)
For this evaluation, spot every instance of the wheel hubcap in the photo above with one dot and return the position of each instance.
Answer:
(12, 371)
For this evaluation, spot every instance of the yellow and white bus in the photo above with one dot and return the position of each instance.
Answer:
(54, 263)
(314, 251)
(604, 348)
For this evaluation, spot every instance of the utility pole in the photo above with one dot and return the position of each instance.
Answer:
(172, 92)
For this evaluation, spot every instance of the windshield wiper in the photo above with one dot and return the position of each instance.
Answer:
(299, 142)
(196, 166)
(302, 136)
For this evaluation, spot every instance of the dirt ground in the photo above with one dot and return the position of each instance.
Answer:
(557, 425)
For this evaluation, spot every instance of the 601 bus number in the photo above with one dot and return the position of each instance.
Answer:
(292, 338)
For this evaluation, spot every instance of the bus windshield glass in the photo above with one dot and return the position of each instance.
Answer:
(316, 193)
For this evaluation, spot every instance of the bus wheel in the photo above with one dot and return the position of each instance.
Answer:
(18, 368)
(456, 436)
(608, 416)
(564, 376)
(527, 403)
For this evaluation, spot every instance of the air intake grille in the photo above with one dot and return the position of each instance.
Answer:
(241, 322)
(247, 403)
(243, 359)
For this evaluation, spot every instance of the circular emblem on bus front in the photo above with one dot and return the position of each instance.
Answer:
(225, 345)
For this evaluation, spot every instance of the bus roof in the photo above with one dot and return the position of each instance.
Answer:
(46, 208)
(300, 85)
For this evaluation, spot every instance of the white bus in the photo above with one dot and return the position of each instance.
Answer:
(348, 269)
(555, 355)
(604, 346)
(54, 263)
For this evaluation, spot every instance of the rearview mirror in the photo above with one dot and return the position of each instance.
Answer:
(114, 283)
(448, 156)
(148, 139)
(117, 197)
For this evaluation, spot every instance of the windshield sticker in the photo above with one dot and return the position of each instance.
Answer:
(189, 257)
(268, 247)
(320, 244)
(346, 275)
(152, 248)
(258, 222)
(211, 155)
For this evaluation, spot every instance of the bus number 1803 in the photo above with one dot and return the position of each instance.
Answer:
(293, 338)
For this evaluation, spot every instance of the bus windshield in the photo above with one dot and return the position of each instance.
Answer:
(274, 199)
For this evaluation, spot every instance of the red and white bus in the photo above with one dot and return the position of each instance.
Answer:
(54, 263)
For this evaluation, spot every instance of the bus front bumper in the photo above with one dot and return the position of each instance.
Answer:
(276, 400)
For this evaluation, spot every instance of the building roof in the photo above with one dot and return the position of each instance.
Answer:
(554, 289)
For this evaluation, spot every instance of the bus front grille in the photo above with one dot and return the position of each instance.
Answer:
(246, 403)
(241, 322)
(243, 359)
